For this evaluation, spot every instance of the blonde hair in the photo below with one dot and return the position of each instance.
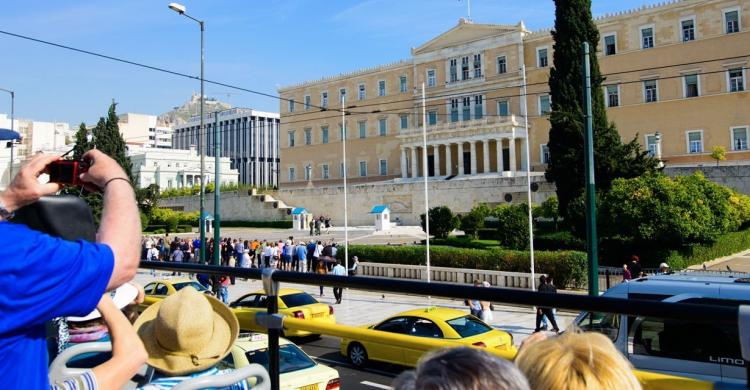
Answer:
(575, 361)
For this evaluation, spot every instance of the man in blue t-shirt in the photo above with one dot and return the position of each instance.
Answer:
(45, 277)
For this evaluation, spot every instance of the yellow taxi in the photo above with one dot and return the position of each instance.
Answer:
(436, 323)
(160, 289)
(296, 369)
(293, 303)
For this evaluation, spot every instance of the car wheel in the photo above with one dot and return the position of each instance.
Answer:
(357, 354)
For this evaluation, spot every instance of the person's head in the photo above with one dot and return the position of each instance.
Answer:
(461, 368)
(542, 280)
(338, 262)
(625, 267)
(574, 361)
(635, 259)
(477, 283)
(550, 279)
(187, 332)
(356, 259)
(663, 267)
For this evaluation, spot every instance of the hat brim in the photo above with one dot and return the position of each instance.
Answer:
(123, 296)
(225, 332)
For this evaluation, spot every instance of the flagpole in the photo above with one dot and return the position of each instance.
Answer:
(426, 173)
(346, 210)
(528, 177)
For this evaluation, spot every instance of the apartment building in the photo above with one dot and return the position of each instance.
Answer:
(143, 130)
(676, 78)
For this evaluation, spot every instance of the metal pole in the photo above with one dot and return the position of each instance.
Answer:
(202, 147)
(346, 210)
(217, 191)
(528, 177)
(272, 288)
(426, 173)
(588, 147)
(12, 128)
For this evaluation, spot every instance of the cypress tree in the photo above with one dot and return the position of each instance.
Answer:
(612, 159)
(82, 143)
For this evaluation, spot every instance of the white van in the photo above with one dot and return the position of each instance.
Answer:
(698, 350)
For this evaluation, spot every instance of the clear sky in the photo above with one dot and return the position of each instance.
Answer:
(254, 44)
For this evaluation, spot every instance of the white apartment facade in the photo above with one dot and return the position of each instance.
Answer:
(144, 130)
(248, 138)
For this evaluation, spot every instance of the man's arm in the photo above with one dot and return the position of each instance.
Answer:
(120, 226)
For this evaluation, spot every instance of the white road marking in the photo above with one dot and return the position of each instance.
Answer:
(331, 361)
(377, 385)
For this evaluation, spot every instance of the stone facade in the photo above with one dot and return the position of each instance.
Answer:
(235, 206)
(735, 176)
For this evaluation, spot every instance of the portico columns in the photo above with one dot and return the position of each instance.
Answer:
(460, 158)
(473, 152)
(448, 160)
(413, 161)
(403, 163)
(499, 147)
(486, 156)
(436, 159)
(425, 170)
(512, 155)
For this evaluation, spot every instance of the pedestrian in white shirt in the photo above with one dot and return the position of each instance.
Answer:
(338, 270)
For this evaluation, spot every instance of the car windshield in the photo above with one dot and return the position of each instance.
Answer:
(195, 285)
(298, 299)
(291, 358)
(468, 326)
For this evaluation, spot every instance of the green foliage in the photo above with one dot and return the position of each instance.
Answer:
(568, 267)
(82, 145)
(562, 240)
(196, 189)
(442, 221)
(171, 223)
(574, 25)
(144, 220)
(474, 220)
(548, 210)
(725, 245)
(513, 225)
(258, 224)
(719, 153)
(147, 198)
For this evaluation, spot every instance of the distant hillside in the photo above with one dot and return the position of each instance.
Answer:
(182, 113)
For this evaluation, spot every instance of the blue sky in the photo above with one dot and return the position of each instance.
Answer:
(253, 44)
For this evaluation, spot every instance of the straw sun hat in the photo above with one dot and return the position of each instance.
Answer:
(187, 332)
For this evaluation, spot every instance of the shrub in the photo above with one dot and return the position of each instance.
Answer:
(558, 240)
(144, 220)
(171, 223)
(548, 210)
(725, 245)
(474, 219)
(442, 221)
(513, 226)
(568, 267)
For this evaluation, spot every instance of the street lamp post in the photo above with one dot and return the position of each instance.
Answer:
(180, 9)
(12, 128)
(217, 190)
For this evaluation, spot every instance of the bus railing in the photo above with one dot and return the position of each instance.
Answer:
(633, 307)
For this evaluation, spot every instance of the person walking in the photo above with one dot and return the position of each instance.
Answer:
(545, 311)
(338, 270)
(475, 307)
(310, 250)
(177, 257)
(486, 306)
(635, 266)
(626, 275)
(312, 227)
(321, 269)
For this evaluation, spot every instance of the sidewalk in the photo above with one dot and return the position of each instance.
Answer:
(360, 307)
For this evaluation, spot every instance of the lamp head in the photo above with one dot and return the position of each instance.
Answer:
(177, 7)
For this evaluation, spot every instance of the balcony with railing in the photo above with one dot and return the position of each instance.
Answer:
(487, 121)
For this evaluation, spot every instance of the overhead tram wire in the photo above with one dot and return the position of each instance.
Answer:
(349, 112)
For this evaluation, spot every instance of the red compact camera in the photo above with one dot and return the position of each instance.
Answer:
(67, 171)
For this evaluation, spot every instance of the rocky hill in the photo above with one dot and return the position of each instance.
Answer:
(181, 114)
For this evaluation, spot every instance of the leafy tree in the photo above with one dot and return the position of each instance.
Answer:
(719, 153)
(513, 225)
(472, 221)
(612, 159)
(442, 221)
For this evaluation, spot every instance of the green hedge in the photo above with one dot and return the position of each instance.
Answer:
(725, 245)
(258, 224)
(558, 240)
(568, 267)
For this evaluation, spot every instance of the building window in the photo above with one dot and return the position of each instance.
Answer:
(732, 21)
(464, 68)
(650, 93)
(478, 107)
(736, 79)
(454, 110)
(341, 170)
(695, 141)
(651, 144)
(381, 88)
(404, 122)
(402, 84)
(292, 175)
(739, 138)
(363, 168)
(307, 102)
(383, 127)
(324, 134)
(688, 29)
(453, 70)
(324, 99)
(383, 167)
(544, 155)
(308, 136)
(342, 94)
(503, 108)
(308, 173)
(691, 85)
(361, 93)
(502, 65)
(291, 138)
(362, 129)
(431, 79)
(647, 37)
(544, 105)
(610, 45)
(432, 118)
(291, 105)
(541, 57)
(477, 66)
(613, 95)
(326, 172)
(466, 108)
